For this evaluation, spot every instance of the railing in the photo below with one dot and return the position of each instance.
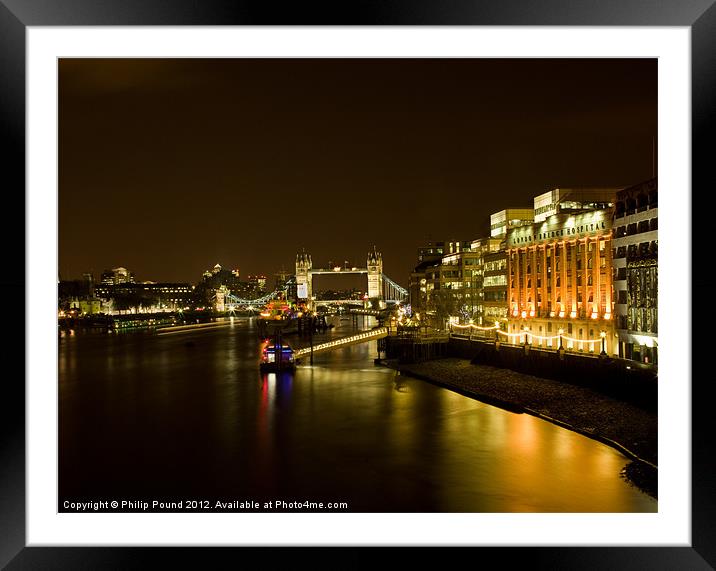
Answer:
(543, 342)
(337, 343)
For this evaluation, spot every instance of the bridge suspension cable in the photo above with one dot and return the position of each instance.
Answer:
(258, 301)
(397, 288)
(263, 299)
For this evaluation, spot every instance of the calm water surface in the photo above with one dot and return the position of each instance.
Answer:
(189, 416)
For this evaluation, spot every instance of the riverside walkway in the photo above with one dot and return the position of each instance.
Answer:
(362, 337)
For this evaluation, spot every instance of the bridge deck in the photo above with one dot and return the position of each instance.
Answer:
(343, 342)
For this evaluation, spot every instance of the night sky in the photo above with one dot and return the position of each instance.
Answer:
(170, 166)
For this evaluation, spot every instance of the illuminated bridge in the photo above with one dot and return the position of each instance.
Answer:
(232, 302)
(380, 286)
(363, 337)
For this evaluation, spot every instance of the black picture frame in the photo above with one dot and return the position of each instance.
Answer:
(17, 15)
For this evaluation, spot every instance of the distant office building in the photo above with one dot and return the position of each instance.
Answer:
(150, 296)
(216, 277)
(117, 276)
(635, 254)
(258, 283)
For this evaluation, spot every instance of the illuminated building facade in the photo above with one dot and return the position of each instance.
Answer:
(572, 201)
(432, 251)
(450, 285)
(505, 220)
(635, 253)
(258, 283)
(157, 296)
(494, 288)
(117, 276)
(494, 264)
(430, 257)
(560, 278)
(454, 286)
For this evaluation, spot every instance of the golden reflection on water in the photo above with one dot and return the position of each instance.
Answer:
(481, 454)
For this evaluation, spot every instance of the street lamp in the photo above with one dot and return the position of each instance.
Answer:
(561, 347)
(603, 335)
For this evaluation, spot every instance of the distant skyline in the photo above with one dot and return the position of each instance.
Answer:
(167, 167)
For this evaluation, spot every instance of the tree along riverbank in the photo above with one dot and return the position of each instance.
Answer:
(630, 429)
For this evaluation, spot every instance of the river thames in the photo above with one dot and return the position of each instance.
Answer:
(188, 416)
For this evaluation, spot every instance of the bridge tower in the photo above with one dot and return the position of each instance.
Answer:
(304, 279)
(375, 275)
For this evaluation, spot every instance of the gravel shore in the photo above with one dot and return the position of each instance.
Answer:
(628, 428)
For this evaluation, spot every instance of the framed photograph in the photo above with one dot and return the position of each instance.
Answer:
(387, 279)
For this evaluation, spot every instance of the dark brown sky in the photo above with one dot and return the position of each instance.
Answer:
(170, 166)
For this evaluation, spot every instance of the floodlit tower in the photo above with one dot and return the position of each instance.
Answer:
(304, 280)
(375, 274)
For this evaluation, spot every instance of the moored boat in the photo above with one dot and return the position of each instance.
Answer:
(277, 317)
(277, 356)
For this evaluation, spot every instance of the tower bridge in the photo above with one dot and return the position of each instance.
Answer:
(380, 286)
